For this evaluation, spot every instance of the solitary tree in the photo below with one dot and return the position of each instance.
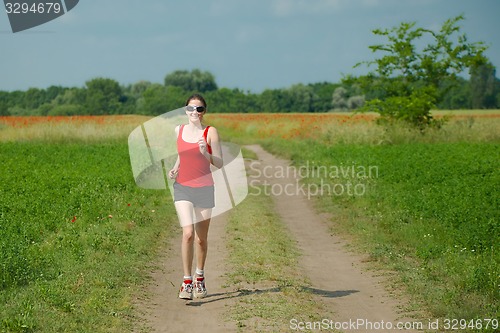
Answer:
(407, 78)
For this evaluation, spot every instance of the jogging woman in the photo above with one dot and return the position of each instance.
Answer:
(198, 148)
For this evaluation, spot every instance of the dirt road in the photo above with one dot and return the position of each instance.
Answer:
(355, 297)
(164, 312)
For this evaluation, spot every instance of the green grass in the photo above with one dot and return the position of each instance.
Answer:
(263, 265)
(430, 213)
(76, 234)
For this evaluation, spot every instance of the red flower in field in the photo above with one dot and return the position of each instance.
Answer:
(128, 205)
(73, 220)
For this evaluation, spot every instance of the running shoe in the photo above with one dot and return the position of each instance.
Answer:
(200, 290)
(186, 291)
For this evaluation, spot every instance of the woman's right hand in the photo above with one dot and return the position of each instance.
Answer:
(172, 174)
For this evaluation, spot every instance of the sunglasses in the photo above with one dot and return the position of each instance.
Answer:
(198, 109)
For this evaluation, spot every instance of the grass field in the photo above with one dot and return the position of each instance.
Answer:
(76, 233)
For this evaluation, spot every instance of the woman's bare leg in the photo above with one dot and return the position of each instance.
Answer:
(185, 214)
(201, 239)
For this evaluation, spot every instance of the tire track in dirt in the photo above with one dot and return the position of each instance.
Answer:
(338, 277)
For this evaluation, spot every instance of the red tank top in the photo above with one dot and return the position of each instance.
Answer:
(194, 168)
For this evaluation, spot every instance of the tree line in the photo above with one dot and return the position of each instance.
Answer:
(102, 96)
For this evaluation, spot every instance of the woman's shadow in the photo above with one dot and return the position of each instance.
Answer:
(248, 292)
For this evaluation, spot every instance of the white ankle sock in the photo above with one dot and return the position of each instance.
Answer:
(200, 272)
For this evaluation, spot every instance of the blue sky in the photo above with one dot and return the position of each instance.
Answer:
(251, 44)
